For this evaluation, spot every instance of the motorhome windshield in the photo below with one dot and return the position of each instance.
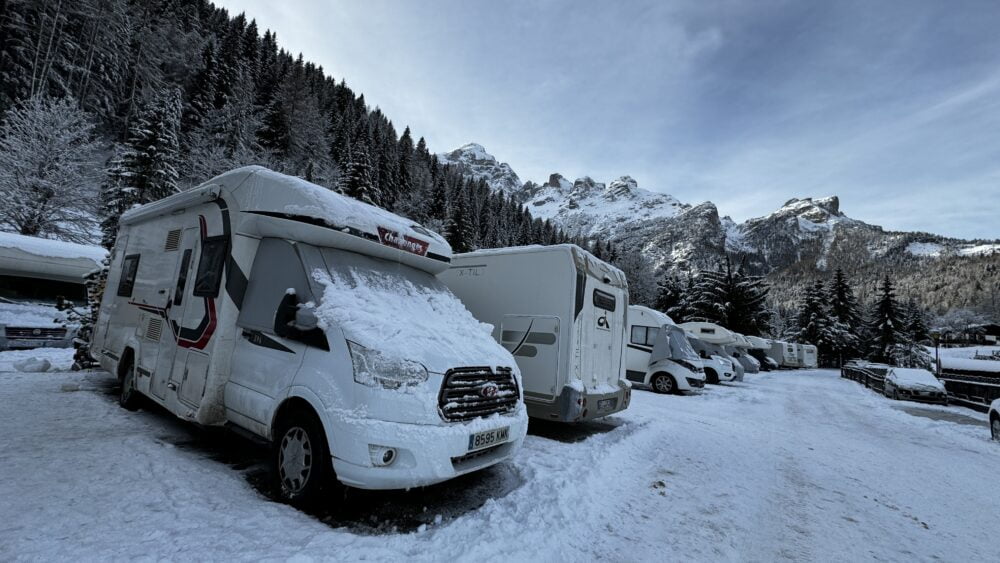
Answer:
(402, 312)
(680, 348)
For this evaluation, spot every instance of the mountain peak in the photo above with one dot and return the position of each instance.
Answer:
(472, 159)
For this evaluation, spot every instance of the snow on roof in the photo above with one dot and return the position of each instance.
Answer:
(915, 377)
(969, 364)
(261, 189)
(655, 316)
(52, 248)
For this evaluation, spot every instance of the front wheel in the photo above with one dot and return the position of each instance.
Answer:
(301, 460)
(995, 427)
(664, 383)
(895, 395)
(711, 376)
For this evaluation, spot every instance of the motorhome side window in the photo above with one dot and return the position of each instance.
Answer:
(209, 277)
(182, 277)
(130, 266)
(644, 335)
(604, 300)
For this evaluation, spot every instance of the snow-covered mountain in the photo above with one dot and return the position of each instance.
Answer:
(804, 237)
(473, 160)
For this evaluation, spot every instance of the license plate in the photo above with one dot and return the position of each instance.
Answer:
(488, 438)
(607, 404)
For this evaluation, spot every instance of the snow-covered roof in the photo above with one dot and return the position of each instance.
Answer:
(637, 311)
(969, 364)
(914, 377)
(271, 196)
(26, 256)
(709, 332)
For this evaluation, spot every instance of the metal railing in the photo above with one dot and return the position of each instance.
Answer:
(871, 376)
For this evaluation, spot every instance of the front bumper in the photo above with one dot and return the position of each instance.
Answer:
(694, 383)
(425, 454)
(924, 396)
(30, 343)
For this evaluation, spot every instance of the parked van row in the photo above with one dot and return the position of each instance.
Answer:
(361, 348)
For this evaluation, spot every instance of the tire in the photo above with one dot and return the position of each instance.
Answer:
(895, 395)
(301, 460)
(711, 376)
(664, 383)
(128, 397)
(995, 427)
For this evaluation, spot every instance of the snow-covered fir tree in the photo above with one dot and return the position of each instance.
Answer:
(732, 299)
(642, 289)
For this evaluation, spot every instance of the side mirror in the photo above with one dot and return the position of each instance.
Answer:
(305, 319)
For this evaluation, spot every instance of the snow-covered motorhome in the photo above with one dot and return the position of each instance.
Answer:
(658, 354)
(561, 312)
(708, 339)
(34, 274)
(287, 311)
(786, 354)
(759, 348)
(808, 356)
(740, 351)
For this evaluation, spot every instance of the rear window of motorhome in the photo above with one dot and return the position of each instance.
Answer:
(209, 278)
(644, 335)
(129, 268)
(604, 300)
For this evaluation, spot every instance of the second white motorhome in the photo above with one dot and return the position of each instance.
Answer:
(707, 340)
(784, 353)
(658, 353)
(561, 312)
(759, 348)
(291, 313)
(807, 356)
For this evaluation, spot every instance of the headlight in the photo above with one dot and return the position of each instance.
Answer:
(690, 366)
(375, 369)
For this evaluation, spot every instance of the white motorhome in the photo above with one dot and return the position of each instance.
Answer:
(759, 348)
(740, 351)
(35, 274)
(786, 354)
(808, 356)
(658, 354)
(286, 311)
(708, 340)
(561, 312)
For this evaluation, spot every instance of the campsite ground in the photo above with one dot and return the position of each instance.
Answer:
(794, 465)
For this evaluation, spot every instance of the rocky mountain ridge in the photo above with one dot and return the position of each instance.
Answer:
(804, 238)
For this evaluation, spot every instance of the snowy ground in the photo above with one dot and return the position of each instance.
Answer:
(788, 466)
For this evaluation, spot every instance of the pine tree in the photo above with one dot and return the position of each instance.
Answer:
(731, 299)
(669, 294)
(886, 323)
(460, 232)
(146, 168)
(357, 181)
(639, 273)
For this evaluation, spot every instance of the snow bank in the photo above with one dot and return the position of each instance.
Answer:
(59, 359)
(33, 365)
(409, 317)
(911, 378)
(925, 249)
(52, 248)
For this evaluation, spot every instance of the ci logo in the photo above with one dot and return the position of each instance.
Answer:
(489, 390)
(602, 322)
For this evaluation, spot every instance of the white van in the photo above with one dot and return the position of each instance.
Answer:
(658, 354)
(561, 312)
(759, 348)
(35, 275)
(287, 311)
(739, 350)
(708, 339)
(808, 356)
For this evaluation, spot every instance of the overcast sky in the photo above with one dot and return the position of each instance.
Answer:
(892, 105)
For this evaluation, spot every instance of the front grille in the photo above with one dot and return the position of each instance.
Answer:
(463, 398)
(29, 333)
(696, 382)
